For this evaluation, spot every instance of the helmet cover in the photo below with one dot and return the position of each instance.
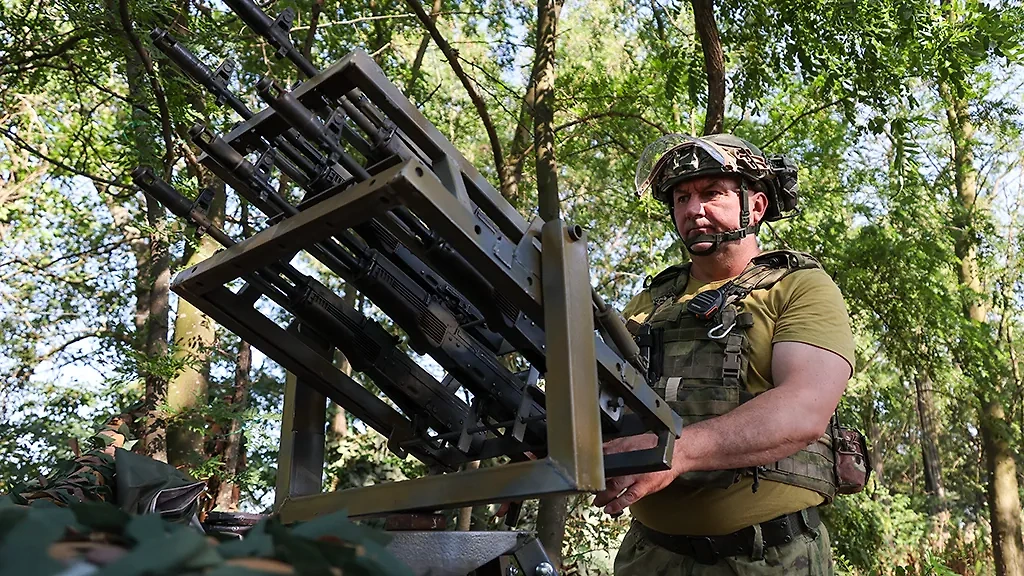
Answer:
(675, 158)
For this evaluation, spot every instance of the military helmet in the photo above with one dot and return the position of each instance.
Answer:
(677, 158)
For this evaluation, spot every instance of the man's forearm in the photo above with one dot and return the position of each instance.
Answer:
(765, 429)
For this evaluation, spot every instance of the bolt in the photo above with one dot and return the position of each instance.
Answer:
(575, 232)
(512, 570)
(544, 569)
(616, 402)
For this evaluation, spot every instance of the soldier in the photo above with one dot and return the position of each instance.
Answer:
(753, 350)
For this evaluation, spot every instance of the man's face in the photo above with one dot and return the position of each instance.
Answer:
(707, 205)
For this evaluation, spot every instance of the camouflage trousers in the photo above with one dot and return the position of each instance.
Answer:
(808, 554)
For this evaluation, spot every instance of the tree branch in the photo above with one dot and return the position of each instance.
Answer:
(544, 122)
(453, 60)
(421, 50)
(314, 19)
(488, 75)
(386, 17)
(611, 114)
(714, 64)
(158, 91)
(56, 51)
(799, 117)
(35, 152)
(25, 371)
(93, 251)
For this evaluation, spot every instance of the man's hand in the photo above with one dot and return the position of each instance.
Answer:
(622, 491)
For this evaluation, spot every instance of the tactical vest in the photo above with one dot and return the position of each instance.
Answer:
(699, 365)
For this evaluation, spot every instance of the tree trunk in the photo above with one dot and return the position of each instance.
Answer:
(714, 64)
(228, 489)
(927, 416)
(464, 521)
(1003, 495)
(552, 512)
(154, 441)
(515, 160)
(339, 421)
(315, 10)
(931, 464)
(521, 143)
(153, 261)
(519, 148)
(875, 450)
(544, 110)
(337, 427)
(228, 493)
(381, 31)
(194, 335)
(194, 332)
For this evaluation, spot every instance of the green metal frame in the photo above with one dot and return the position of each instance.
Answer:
(560, 301)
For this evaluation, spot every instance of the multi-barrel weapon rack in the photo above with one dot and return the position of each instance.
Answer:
(391, 207)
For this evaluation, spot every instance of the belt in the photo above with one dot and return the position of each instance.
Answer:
(709, 549)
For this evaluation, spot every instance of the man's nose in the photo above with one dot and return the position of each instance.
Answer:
(692, 208)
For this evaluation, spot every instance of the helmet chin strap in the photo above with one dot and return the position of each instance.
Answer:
(716, 240)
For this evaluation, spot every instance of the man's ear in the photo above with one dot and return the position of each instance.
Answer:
(758, 206)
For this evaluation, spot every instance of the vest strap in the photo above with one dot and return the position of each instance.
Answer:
(695, 372)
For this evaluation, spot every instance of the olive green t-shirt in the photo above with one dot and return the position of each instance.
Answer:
(805, 306)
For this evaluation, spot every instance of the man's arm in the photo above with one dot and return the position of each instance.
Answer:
(775, 424)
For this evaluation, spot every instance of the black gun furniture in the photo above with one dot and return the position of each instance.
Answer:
(393, 209)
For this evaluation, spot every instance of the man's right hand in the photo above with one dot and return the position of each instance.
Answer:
(622, 491)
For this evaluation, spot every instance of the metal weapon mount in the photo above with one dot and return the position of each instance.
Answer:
(390, 206)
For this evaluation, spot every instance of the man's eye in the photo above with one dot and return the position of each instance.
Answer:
(682, 199)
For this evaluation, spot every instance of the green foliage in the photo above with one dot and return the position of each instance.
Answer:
(591, 537)
(865, 524)
(857, 92)
(363, 459)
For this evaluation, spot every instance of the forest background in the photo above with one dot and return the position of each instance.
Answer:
(904, 116)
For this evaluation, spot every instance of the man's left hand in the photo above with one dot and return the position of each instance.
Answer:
(623, 491)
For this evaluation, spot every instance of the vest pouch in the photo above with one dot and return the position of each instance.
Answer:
(812, 468)
(692, 367)
(853, 467)
(666, 315)
(696, 400)
(695, 389)
(721, 479)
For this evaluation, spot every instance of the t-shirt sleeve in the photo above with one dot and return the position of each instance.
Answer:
(812, 311)
(638, 308)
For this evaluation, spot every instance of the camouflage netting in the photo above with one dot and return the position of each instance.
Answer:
(92, 537)
(111, 511)
(87, 478)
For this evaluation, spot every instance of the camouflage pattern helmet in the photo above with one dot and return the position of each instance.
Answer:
(676, 158)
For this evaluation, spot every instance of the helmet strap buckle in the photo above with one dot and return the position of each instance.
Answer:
(744, 204)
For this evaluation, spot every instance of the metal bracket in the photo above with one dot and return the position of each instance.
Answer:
(284, 22)
(223, 73)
